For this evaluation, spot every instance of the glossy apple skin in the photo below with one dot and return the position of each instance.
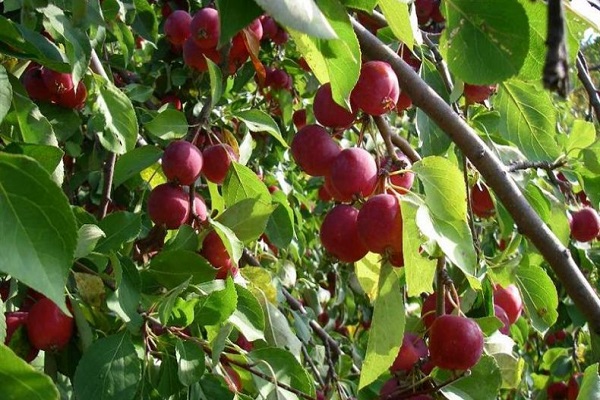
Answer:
(24, 349)
(328, 113)
(478, 93)
(585, 225)
(169, 205)
(205, 29)
(380, 224)
(177, 27)
(193, 55)
(339, 234)
(34, 84)
(353, 173)
(377, 89)
(48, 328)
(214, 251)
(57, 82)
(557, 391)
(412, 350)
(455, 342)
(574, 385)
(481, 201)
(314, 150)
(182, 162)
(299, 118)
(428, 309)
(510, 300)
(74, 98)
(217, 160)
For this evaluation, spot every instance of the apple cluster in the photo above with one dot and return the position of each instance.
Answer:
(169, 204)
(38, 325)
(46, 85)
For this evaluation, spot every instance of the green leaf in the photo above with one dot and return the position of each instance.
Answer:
(216, 81)
(288, 370)
(127, 296)
(528, 119)
(280, 227)
(64, 122)
(38, 234)
(248, 317)
(167, 303)
(277, 330)
(420, 271)
(49, 157)
(234, 246)
(168, 125)
(307, 19)
(19, 380)
(213, 387)
(190, 362)
(387, 329)
(435, 140)
(242, 183)
(22, 42)
(365, 5)
(77, 44)
(125, 40)
(336, 61)
(186, 238)
(259, 121)
(234, 16)
(120, 227)
(539, 296)
(484, 42)
(247, 218)
(590, 385)
(109, 369)
(582, 135)
(138, 92)
(134, 162)
(398, 17)
(87, 238)
(114, 118)
(168, 381)
(172, 268)
(367, 271)
(218, 305)
(483, 383)
(5, 93)
(145, 23)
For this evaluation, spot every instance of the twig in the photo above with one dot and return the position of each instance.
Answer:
(494, 173)
(556, 67)
(470, 208)
(586, 80)
(397, 140)
(313, 367)
(545, 165)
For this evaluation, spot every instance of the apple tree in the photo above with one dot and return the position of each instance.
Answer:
(319, 199)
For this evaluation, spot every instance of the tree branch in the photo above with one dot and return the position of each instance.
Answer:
(397, 140)
(495, 174)
(545, 165)
(586, 80)
(556, 67)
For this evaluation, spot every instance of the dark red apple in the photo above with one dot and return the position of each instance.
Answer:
(299, 118)
(34, 84)
(48, 328)
(173, 100)
(455, 342)
(353, 173)
(169, 205)
(74, 98)
(205, 29)
(217, 160)
(503, 317)
(574, 385)
(16, 328)
(585, 224)
(557, 391)
(428, 309)
(339, 234)
(412, 350)
(509, 299)
(404, 102)
(57, 82)
(401, 182)
(377, 89)
(481, 201)
(328, 113)
(182, 162)
(269, 26)
(193, 55)
(314, 150)
(177, 27)
(380, 224)
(478, 93)
(214, 251)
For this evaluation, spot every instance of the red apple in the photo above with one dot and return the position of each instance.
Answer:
(455, 342)
(412, 350)
(509, 299)
(217, 160)
(380, 224)
(574, 385)
(339, 234)
(34, 84)
(377, 89)
(177, 27)
(299, 118)
(169, 205)
(193, 55)
(48, 328)
(214, 251)
(503, 317)
(328, 113)
(182, 162)
(57, 82)
(481, 201)
(585, 225)
(16, 329)
(428, 310)
(74, 98)
(205, 29)
(478, 93)
(353, 173)
(314, 150)
(557, 391)
(402, 182)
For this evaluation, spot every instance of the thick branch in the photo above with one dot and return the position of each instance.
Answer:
(495, 174)
(586, 80)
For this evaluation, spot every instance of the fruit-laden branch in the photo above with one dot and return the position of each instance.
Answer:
(494, 172)
(109, 164)
(586, 80)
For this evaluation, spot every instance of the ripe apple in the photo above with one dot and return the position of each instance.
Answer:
(177, 27)
(217, 160)
(478, 93)
(481, 201)
(214, 251)
(377, 89)
(324, 194)
(428, 309)
(169, 205)
(509, 299)
(455, 342)
(557, 391)
(193, 55)
(173, 100)
(269, 26)
(574, 385)
(299, 118)
(424, 9)
(412, 350)
(34, 84)
(328, 113)
(16, 335)
(379, 224)
(503, 317)
(585, 224)
(74, 98)
(182, 162)
(57, 82)
(353, 172)
(205, 29)
(48, 328)
(403, 182)
(278, 79)
(404, 102)
(314, 150)
(339, 234)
